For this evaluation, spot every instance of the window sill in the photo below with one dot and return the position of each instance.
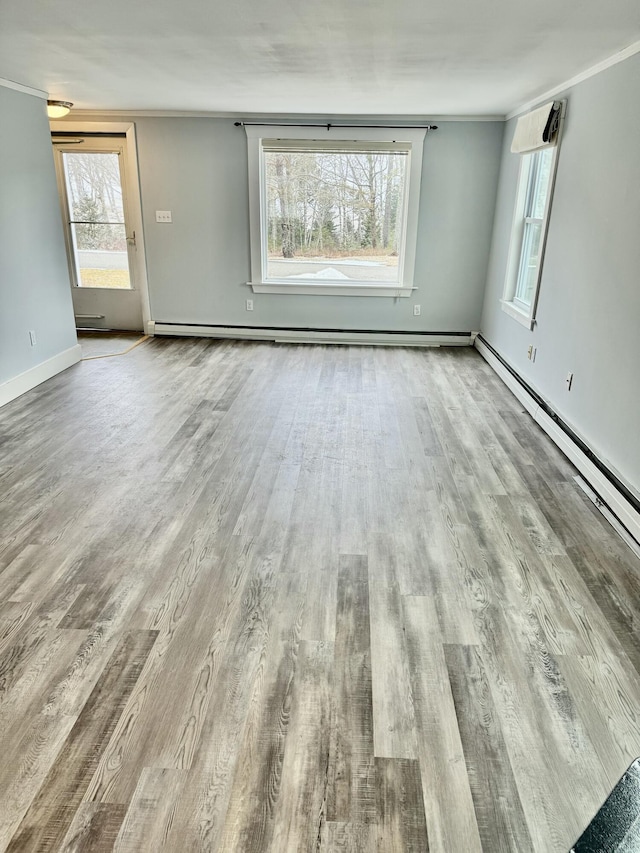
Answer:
(90, 289)
(522, 317)
(310, 288)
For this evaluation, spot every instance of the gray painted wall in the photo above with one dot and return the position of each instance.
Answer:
(199, 265)
(589, 308)
(34, 278)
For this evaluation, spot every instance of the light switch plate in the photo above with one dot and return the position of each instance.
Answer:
(163, 216)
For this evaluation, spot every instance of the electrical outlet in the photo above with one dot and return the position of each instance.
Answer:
(569, 381)
(249, 304)
(163, 216)
(32, 337)
(416, 310)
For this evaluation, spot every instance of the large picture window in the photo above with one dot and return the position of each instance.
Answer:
(334, 215)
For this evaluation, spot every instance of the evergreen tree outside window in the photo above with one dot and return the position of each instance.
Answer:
(335, 214)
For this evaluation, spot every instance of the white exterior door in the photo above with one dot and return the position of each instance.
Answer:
(101, 241)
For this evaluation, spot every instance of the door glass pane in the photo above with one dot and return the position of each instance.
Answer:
(101, 255)
(334, 216)
(96, 212)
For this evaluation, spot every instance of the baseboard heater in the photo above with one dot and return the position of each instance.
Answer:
(609, 490)
(287, 334)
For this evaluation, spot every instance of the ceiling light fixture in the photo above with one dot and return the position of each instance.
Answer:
(57, 109)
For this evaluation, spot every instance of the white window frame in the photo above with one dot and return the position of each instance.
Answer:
(413, 138)
(515, 308)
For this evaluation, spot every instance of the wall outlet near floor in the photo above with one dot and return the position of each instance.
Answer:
(531, 353)
(569, 381)
(249, 304)
(416, 310)
(32, 337)
(163, 216)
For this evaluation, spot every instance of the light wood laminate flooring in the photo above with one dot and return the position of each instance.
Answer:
(260, 597)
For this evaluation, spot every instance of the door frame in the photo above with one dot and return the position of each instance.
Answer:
(139, 261)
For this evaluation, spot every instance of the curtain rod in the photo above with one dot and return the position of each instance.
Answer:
(329, 125)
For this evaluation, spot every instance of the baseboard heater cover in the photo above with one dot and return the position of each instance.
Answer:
(613, 494)
(611, 518)
(367, 337)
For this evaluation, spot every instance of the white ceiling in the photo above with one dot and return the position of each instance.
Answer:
(333, 57)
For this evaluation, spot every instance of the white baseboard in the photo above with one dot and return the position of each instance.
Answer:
(601, 484)
(304, 336)
(24, 382)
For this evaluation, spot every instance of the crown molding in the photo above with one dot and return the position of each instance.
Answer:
(272, 117)
(20, 87)
(620, 56)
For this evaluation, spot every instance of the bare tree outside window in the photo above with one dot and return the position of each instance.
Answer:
(335, 215)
